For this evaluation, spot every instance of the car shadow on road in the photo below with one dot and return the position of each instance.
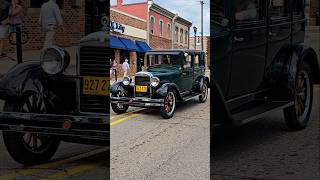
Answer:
(228, 141)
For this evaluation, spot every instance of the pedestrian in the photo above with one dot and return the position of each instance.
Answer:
(50, 19)
(4, 28)
(125, 67)
(114, 69)
(15, 17)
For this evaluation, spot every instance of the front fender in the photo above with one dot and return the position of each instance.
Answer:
(21, 78)
(119, 86)
(162, 91)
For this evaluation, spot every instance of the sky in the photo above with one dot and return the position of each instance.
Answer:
(187, 9)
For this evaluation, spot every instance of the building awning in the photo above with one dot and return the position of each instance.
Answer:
(131, 46)
(116, 43)
(143, 46)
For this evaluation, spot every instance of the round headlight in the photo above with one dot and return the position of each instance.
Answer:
(155, 81)
(54, 60)
(126, 80)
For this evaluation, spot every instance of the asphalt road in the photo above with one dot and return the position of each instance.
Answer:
(145, 146)
(265, 149)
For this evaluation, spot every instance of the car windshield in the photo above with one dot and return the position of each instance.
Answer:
(158, 60)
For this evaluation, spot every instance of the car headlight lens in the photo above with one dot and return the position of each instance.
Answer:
(155, 81)
(126, 80)
(54, 60)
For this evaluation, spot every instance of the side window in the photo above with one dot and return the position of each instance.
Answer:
(187, 62)
(247, 10)
(196, 60)
(298, 7)
(279, 9)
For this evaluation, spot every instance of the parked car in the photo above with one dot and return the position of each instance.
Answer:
(171, 76)
(260, 62)
(44, 105)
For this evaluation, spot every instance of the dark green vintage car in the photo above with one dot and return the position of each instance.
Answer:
(171, 76)
(260, 62)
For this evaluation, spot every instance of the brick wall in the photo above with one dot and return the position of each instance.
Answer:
(74, 21)
(127, 20)
(157, 42)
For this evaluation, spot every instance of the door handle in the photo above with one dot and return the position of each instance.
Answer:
(238, 39)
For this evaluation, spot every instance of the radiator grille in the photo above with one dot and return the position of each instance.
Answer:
(94, 61)
(143, 81)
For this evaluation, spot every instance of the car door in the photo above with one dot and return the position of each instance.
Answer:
(187, 73)
(249, 47)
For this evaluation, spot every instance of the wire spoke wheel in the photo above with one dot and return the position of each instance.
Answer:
(302, 95)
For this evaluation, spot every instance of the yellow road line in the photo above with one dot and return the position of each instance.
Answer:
(73, 171)
(36, 169)
(119, 115)
(124, 119)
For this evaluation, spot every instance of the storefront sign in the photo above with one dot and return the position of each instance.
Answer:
(112, 25)
(116, 27)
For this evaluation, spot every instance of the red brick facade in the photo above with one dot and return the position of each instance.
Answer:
(157, 42)
(73, 29)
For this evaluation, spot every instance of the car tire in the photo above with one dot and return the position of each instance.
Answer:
(25, 147)
(119, 108)
(170, 104)
(298, 115)
(204, 93)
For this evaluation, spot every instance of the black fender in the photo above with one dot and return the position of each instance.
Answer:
(162, 91)
(302, 52)
(299, 53)
(220, 113)
(119, 86)
(198, 83)
(21, 78)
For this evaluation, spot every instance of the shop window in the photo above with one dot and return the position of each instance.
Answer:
(152, 24)
(124, 55)
(38, 3)
(169, 30)
(161, 27)
(298, 7)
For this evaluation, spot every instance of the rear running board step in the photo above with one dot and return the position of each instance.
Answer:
(259, 111)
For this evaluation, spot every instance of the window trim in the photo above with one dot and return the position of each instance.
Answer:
(153, 22)
(160, 28)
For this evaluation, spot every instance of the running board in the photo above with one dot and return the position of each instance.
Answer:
(190, 96)
(259, 111)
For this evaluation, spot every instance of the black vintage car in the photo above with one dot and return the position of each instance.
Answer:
(44, 105)
(171, 76)
(260, 61)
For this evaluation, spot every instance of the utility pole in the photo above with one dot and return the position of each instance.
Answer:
(202, 3)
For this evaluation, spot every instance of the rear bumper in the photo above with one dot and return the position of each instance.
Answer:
(84, 127)
(138, 102)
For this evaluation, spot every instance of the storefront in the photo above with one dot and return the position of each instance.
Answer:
(129, 39)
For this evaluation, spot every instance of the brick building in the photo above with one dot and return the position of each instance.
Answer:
(165, 30)
(80, 18)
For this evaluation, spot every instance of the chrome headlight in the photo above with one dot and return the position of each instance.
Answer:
(126, 80)
(154, 81)
(54, 60)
